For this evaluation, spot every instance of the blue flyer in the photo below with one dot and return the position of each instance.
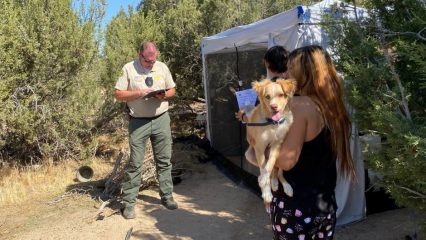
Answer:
(246, 98)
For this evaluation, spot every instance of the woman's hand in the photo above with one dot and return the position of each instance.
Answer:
(240, 115)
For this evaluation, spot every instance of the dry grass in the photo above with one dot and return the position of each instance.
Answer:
(35, 184)
(18, 186)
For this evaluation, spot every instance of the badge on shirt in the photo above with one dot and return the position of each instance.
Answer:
(156, 76)
(149, 82)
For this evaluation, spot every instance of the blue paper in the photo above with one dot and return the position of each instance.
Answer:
(246, 98)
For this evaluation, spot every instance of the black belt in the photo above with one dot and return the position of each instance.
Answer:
(147, 118)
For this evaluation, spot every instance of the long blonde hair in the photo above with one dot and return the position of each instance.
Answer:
(317, 78)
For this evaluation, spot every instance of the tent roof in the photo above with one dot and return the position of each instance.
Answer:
(281, 28)
(257, 32)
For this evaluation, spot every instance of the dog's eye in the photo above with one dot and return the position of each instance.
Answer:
(268, 97)
(281, 95)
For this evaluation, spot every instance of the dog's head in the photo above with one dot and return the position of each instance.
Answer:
(275, 96)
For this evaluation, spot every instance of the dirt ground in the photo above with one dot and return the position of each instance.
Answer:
(211, 206)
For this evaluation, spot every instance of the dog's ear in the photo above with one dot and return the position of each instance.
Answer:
(288, 85)
(259, 86)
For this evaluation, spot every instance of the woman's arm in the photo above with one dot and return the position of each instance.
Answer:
(293, 142)
(307, 124)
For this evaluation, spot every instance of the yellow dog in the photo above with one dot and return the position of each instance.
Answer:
(267, 126)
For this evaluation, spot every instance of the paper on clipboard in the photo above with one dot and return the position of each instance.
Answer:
(246, 98)
(153, 93)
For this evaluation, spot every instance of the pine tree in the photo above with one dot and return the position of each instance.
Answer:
(383, 60)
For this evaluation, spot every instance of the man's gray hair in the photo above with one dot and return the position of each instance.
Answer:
(144, 45)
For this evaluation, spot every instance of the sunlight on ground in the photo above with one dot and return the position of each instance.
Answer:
(20, 186)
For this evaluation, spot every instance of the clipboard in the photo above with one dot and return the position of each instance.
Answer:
(153, 93)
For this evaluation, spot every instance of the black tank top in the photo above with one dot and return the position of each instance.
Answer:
(313, 178)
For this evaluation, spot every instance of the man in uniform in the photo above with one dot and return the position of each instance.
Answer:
(148, 119)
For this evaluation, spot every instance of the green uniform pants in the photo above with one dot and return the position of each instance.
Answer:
(158, 131)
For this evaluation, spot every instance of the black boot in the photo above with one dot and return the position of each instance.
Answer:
(169, 203)
(129, 212)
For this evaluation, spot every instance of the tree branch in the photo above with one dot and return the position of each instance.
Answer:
(420, 195)
(418, 35)
(395, 76)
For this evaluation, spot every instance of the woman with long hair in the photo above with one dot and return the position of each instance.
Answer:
(318, 137)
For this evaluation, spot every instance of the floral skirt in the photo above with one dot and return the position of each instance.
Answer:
(291, 221)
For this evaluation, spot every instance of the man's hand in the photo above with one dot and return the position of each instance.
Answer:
(144, 92)
(161, 95)
(130, 95)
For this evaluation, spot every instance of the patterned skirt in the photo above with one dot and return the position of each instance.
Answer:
(291, 221)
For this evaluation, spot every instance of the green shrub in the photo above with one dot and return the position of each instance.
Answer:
(49, 81)
(383, 60)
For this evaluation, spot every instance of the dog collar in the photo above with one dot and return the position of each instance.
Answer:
(269, 121)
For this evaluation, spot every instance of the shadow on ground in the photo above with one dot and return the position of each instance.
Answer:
(211, 207)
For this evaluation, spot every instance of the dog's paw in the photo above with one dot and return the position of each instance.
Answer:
(274, 184)
(267, 197)
(264, 180)
(268, 208)
(288, 189)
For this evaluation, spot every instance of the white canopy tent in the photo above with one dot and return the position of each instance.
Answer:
(294, 28)
(236, 54)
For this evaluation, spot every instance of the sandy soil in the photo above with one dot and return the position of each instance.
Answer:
(211, 206)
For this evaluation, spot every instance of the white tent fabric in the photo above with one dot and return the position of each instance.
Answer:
(253, 33)
(291, 29)
(350, 196)
(281, 29)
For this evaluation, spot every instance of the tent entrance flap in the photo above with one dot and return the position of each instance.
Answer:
(222, 78)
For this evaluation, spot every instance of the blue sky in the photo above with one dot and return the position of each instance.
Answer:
(111, 9)
(113, 6)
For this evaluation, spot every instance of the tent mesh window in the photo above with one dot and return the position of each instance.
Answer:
(227, 135)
